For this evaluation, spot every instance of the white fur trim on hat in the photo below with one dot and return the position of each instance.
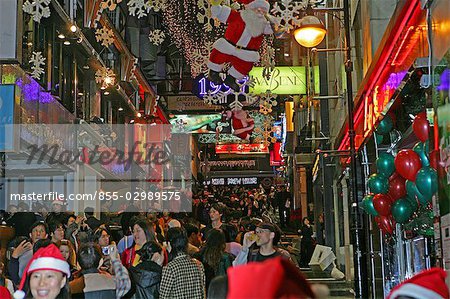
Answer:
(415, 291)
(19, 294)
(259, 4)
(50, 263)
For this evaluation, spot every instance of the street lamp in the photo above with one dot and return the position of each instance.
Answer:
(310, 34)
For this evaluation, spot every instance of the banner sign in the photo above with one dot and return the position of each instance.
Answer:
(284, 80)
(6, 118)
(242, 149)
(189, 103)
(233, 181)
(236, 163)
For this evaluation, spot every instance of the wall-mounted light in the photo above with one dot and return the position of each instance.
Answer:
(311, 32)
(67, 43)
(73, 28)
(61, 36)
(139, 114)
(108, 80)
(106, 93)
(120, 109)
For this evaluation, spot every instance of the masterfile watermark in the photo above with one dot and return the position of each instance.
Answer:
(108, 167)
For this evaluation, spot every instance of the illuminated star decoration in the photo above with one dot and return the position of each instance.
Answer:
(37, 61)
(105, 77)
(110, 4)
(156, 37)
(37, 8)
(105, 36)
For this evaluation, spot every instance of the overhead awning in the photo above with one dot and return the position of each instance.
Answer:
(398, 50)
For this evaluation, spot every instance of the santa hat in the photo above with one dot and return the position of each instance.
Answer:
(46, 258)
(429, 284)
(273, 278)
(4, 292)
(256, 4)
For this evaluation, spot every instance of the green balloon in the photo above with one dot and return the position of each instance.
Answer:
(401, 210)
(385, 164)
(367, 205)
(422, 149)
(385, 125)
(413, 192)
(379, 138)
(413, 202)
(427, 182)
(378, 183)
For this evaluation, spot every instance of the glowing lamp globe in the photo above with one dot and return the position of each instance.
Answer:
(311, 32)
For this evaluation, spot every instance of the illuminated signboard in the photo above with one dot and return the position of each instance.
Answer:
(242, 149)
(202, 86)
(233, 181)
(203, 123)
(283, 80)
(189, 103)
(376, 102)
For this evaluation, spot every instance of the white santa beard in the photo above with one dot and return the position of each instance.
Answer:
(254, 22)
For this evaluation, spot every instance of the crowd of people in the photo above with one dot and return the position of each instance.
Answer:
(228, 247)
(155, 255)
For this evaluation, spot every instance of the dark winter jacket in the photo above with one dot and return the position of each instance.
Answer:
(145, 278)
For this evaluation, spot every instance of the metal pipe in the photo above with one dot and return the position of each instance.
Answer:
(329, 50)
(328, 98)
(360, 266)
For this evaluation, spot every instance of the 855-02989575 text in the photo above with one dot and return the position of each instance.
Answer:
(99, 195)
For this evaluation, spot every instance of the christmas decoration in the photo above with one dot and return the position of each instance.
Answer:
(37, 61)
(105, 36)
(156, 37)
(267, 57)
(199, 59)
(105, 77)
(139, 8)
(287, 13)
(157, 5)
(378, 183)
(244, 37)
(110, 4)
(266, 102)
(238, 163)
(37, 8)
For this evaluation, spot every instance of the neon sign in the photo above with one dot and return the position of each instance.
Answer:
(203, 87)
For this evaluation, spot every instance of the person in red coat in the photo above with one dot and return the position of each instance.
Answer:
(242, 40)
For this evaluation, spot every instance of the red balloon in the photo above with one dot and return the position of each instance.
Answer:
(407, 163)
(385, 224)
(396, 187)
(421, 126)
(382, 204)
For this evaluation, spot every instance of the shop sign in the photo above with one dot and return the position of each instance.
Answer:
(233, 181)
(6, 118)
(188, 103)
(283, 80)
(242, 149)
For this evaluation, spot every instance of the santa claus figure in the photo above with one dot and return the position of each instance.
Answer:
(243, 38)
(241, 123)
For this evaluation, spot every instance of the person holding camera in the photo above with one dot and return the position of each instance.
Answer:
(96, 283)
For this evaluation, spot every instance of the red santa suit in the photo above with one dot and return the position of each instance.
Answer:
(240, 120)
(243, 38)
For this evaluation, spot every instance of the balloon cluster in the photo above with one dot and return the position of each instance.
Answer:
(402, 183)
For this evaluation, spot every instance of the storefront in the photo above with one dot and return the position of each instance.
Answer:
(396, 126)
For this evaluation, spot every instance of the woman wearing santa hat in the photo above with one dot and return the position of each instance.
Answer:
(46, 276)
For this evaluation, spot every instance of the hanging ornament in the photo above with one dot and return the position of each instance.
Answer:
(105, 36)
(266, 102)
(37, 8)
(199, 59)
(287, 13)
(139, 8)
(109, 4)
(267, 57)
(156, 37)
(37, 61)
(105, 77)
(156, 5)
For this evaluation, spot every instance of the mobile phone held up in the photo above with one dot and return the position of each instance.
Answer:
(106, 250)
